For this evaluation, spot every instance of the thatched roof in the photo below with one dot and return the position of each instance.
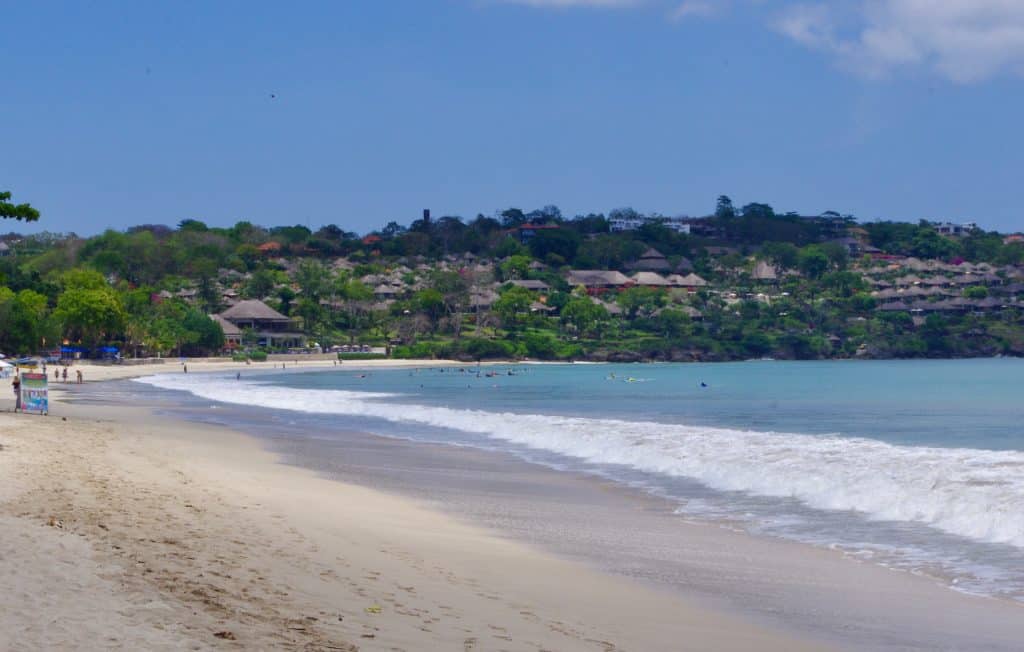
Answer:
(539, 286)
(650, 279)
(597, 278)
(652, 260)
(764, 272)
(483, 299)
(689, 281)
(684, 265)
(894, 306)
(252, 310)
(230, 330)
(612, 308)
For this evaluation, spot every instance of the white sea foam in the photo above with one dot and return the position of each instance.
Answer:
(977, 494)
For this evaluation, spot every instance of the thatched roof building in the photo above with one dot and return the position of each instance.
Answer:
(595, 278)
(650, 279)
(253, 311)
(651, 260)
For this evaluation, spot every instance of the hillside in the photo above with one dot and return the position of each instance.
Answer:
(737, 284)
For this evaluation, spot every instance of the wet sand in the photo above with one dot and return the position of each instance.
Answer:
(125, 530)
(820, 594)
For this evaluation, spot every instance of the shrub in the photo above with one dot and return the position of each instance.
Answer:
(543, 346)
(482, 349)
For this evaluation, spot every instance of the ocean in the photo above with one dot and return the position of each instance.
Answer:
(914, 465)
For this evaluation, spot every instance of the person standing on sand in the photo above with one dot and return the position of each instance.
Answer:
(16, 385)
(185, 367)
(65, 374)
(56, 375)
(78, 373)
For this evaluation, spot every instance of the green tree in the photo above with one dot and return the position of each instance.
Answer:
(673, 323)
(756, 343)
(514, 267)
(285, 296)
(929, 244)
(90, 315)
(724, 208)
(844, 284)
(23, 320)
(313, 278)
(357, 297)
(583, 314)
(640, 300)
(976, 292)
(555, 245)
(248, 253)
(431, 303)
(812, 262)
(203, 336)
(784, 254)
(512, 303)
(20, 212)
(260, 284)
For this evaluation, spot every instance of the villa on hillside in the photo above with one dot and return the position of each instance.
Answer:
(529, 231)
(232, 333)
(763, 271)
(270, 327)
(651, 260)
(650, 280)
(533, 285)
(634, 222)
(955, 230)
(595, 279)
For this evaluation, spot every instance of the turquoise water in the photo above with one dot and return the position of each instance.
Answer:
(914, 464)
(971, 403)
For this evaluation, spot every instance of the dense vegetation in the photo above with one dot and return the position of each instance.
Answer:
(453, 288)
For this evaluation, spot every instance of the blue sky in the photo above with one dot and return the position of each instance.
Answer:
(113, 114)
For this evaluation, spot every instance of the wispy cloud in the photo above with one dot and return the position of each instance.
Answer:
(696, 8)
(963, 40)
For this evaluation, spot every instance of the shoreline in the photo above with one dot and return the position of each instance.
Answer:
(181, 533)
(819, 593)
(841, 602)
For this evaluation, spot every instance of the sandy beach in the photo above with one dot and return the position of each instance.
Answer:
(127, 531)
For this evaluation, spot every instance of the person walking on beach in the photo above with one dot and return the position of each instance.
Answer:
(78, 373)
(65, 374)
(185, 367)
(16, 385)
(56, 375)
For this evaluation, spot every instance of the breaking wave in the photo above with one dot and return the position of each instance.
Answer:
(978, 494)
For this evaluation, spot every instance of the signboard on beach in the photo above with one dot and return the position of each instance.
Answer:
(34, 393)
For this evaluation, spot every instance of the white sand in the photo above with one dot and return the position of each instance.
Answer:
(153, 534)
